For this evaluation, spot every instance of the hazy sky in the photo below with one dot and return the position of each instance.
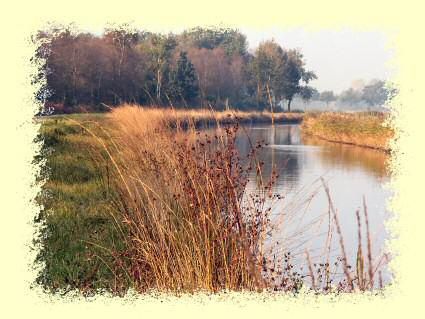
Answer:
(337, 57)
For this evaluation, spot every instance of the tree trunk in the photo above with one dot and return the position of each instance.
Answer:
(258, 95)
(271, 102)
(158, 85)
(289, 105)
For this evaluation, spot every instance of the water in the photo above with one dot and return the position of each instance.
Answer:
(302, 217)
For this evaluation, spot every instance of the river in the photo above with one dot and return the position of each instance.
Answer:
(302, 218)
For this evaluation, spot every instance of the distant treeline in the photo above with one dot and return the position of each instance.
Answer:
(200, 67)
(364, 95)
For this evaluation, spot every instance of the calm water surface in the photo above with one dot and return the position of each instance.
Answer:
(302, 216)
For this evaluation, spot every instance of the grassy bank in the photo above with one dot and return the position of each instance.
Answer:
(132, 201)
(76, 208)
(361, 129)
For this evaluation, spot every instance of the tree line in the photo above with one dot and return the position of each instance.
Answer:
(200, 67)
(375, 93)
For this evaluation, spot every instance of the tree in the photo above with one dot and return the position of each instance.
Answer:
(209, 66)
(183, 84)
(231, 40)
(219, 76)
(375, 93)
(122, 40)
(64, 53)
(295, 76)
(327, 97)
(307, 93)
(160, 49)
(350, 97)
(266, 68)
(279, 74)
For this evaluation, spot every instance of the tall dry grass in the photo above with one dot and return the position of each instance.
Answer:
(200, 117)
(180, 201)
(181, 208)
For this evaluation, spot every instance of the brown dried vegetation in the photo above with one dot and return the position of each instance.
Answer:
(185, 218)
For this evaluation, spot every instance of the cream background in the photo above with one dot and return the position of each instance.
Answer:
(19, 19)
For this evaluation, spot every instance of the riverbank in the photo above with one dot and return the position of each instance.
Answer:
(359, 129)
(131, 202)
(199, 117)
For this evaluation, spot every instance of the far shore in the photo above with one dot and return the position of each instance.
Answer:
(361, 129)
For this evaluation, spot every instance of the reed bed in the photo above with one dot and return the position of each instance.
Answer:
(183, 219)
(202, 117)
(180, 202)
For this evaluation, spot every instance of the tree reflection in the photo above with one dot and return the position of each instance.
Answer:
(285, 160)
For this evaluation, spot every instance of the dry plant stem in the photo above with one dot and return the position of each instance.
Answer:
(341, 241)
(187, 222)
(310, 269)
(328, 244)
(369, 245)
(360, 259)
(198, 240)
(382, 261)
(106, 149)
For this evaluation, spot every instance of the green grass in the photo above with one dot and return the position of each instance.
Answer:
(79, 231)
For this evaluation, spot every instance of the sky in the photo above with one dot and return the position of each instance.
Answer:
(338, 57)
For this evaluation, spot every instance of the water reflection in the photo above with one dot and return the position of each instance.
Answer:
(281, 153)
(348, 156)
(302, 217)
